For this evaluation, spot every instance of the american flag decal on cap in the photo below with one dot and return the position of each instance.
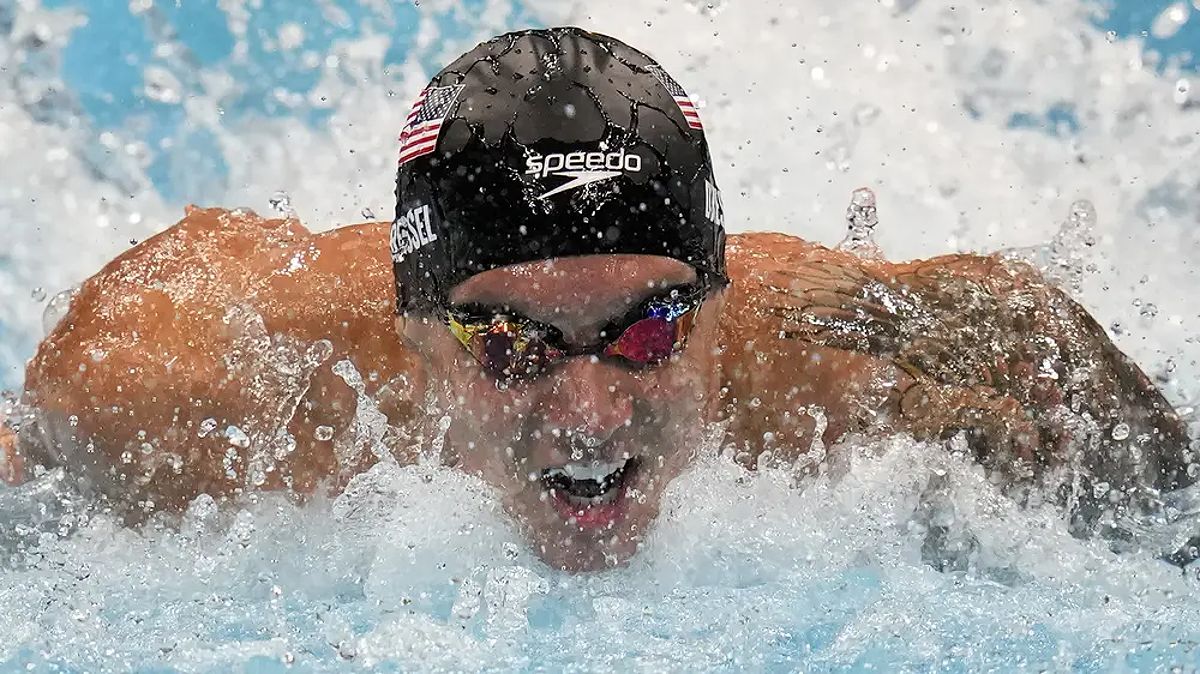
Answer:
(420, 134)
(686, 106)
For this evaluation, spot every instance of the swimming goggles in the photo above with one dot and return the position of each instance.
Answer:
(513, 347)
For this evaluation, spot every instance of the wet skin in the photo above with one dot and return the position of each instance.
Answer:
(220, 320)
(583, 409)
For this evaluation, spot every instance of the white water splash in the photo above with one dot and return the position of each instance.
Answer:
(418, 568)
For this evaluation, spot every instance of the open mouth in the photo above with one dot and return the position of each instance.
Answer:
(590, 494)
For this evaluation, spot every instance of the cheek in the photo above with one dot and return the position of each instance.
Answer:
(685, 384)
(485, 411)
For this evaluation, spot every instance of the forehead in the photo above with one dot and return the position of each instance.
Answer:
(587, 280)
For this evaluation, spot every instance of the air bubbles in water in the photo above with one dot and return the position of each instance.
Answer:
(324, 433)
(861, 219)
(368, 213)
(38, 294)
(56, 308)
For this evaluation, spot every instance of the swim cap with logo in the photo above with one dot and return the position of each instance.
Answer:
(547, 143)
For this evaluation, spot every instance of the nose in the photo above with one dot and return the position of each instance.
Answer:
(587, 397)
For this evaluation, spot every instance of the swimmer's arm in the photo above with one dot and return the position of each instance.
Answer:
(995, 326)
(986, 347)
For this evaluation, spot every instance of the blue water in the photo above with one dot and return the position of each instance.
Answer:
(109, 90)
(415, 570)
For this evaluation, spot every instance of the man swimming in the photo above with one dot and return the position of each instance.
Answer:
(565, 317)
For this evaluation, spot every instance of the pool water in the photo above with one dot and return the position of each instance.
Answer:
(977, 125)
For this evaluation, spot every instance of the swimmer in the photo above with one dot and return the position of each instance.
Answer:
(557, 309)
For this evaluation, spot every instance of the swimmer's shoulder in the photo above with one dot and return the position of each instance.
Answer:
(752, 256)
(177, 288)
(170, 336)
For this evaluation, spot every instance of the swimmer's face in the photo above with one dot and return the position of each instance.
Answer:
(581, 451)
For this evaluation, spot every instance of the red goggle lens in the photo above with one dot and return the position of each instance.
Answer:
(649, 341)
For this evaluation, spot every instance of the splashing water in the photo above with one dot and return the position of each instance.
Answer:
(977, 127)
(861, 220)
(1068, 255)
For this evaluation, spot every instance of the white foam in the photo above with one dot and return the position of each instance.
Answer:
(418, 567)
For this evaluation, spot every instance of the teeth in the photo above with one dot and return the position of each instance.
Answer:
(607, 497)
(596, 471)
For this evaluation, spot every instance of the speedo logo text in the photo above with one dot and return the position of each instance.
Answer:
(581, 167)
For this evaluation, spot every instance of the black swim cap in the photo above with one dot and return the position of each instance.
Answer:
(547, 143)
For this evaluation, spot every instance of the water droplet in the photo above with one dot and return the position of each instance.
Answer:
(1149, 310)
(285, 446)
(38, 294)
(706, 7)
(861, 219)
(865, 113)
(237, 437)
(207, 426)
(368, 213)
(1182, 91)
(281, 203)
(511, 551)
(1083, 215)
(56, 308)
(1170, 20)
(290, 36)
(319, 352)
(324, 433)
(161, 85)
(1117, 328)
(1111, 36)
(1120, 431)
